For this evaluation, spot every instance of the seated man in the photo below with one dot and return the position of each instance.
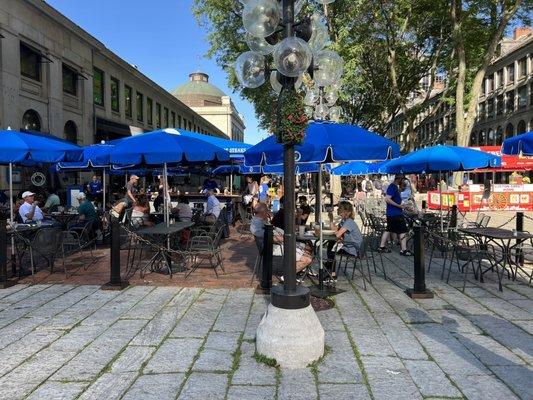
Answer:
(213, 207)
(86, 209)
(52, 202)
(29, 211)
(86, 212)
(257, 225)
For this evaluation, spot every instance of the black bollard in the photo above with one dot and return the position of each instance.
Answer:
(115, 279)
(453, 219)
(4, 281)
(519, 228)
(419, 290)
(266, 270)
(424, 204)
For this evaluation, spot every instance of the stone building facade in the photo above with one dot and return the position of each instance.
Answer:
(211, 103)
(505, 105)
(57, 78)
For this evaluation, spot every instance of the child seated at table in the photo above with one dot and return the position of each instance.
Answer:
(349, 237)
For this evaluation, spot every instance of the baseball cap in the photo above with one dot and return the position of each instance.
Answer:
(80, 195)
(134, 177)
(27, 194)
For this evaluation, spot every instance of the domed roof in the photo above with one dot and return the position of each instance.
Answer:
(198, 85)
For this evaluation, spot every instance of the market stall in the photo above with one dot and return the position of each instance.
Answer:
(502, 197)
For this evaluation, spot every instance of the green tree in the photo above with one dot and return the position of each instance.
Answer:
(478, 27)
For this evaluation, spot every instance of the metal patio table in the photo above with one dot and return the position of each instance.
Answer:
(507, 241)
(160, 234)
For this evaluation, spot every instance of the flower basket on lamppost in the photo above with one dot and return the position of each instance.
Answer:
(288, 52)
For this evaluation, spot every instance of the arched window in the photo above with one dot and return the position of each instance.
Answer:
(521, 127)
(70, 132)
(31, 121)
(509, 130)
(499, 136)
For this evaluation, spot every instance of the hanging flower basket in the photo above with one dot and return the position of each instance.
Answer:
(292, 121)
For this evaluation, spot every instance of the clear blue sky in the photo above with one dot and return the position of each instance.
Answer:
(161, 37)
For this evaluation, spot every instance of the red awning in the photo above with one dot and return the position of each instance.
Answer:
(509, 163)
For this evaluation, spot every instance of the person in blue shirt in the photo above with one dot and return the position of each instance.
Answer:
(95, 189)
(395, 219)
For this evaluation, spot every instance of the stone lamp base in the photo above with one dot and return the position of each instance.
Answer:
(294, 338)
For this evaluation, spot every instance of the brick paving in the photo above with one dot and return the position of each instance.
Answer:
(162, 340)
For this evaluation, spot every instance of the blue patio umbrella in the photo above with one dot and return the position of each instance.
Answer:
(235, 149)
(165, 146)
(521, 144)
(358, 168)
(94, 156)
(27, 148)
(236, 169)
(300, 168)
(326, 142)
(442, 158)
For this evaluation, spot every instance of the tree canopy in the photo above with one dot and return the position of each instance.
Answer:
(388, 47)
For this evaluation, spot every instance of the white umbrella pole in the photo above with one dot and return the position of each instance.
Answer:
(11, 192)
(103, 190)
(231, 182)
(11, 213)
(440, 203)
(165, 190)
(319, 210)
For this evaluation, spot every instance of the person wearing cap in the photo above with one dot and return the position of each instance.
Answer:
(29, 210)
(130, 199)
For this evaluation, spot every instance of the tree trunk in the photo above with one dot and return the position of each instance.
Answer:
(465, 121)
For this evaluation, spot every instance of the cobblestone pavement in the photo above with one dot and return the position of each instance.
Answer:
(60, 341)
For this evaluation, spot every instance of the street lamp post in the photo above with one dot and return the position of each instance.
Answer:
(290, 331)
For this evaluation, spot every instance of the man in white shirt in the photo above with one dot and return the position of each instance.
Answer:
(213, 207)
(29, 210)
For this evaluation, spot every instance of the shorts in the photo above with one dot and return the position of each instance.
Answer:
(396, 224)
(128, 201)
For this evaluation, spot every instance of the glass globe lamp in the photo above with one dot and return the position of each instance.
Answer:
(335, 113)
(311, 97)
(258, 44)
(329, 67)
(321, 112)
(292, 56)
(331, 96)
(260, 17)
(250, 69)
